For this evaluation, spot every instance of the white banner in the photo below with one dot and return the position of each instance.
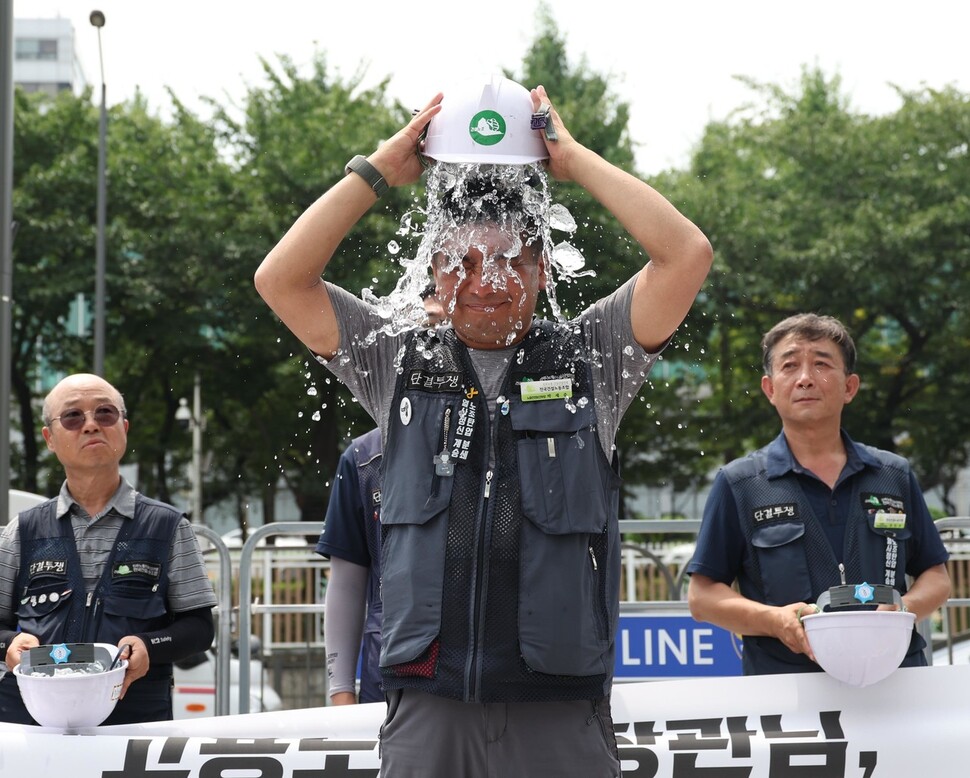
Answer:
(911, 725)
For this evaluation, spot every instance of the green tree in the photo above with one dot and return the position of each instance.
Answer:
(289, 146)
(813, 207)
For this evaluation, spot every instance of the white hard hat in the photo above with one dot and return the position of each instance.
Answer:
(859, 647)
(77, 699)
(485, 123)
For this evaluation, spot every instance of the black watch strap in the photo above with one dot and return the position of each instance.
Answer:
(369, 173)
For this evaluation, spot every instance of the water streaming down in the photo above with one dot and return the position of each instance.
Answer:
(463, 200)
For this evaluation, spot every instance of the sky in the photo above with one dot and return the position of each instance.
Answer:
(674, 62)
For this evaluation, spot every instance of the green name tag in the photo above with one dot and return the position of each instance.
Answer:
(547, 389)
(890, 520)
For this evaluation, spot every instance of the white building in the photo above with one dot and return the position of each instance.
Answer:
(44, 59)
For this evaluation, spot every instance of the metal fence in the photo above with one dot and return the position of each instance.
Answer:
(284, 587)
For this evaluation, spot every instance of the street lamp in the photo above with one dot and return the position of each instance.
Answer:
(193, 420)
(97, 20)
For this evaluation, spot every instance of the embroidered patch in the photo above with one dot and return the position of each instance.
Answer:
(773, 512)
(47, 567)
(123, 569)
(434, 382)
(882, 503)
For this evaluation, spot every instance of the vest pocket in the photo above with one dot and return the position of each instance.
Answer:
(563, 614)
(559, 467)
(126, 612)
(784, 566)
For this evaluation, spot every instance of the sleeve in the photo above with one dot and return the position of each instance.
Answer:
(9, 569)
(343, 533)
(188, 633)
(720, 549)
(189, 586)
(344, 623)
(621, 366)
(926, 546)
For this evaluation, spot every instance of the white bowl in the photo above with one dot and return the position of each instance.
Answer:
(75, 700)
(859, 648)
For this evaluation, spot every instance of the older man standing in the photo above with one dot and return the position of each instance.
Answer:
(101, 562)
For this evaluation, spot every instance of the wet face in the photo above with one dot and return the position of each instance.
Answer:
(488, 284)
(95, 445)
(808, 383)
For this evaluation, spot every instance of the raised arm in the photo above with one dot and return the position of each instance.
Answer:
(289, 278)
(679, 254)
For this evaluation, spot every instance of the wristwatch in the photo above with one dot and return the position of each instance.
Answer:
(369, 173)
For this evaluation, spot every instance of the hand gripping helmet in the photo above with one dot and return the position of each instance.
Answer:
(859, 647)
(490, 123)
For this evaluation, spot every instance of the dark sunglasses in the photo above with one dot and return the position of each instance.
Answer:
(104, 416)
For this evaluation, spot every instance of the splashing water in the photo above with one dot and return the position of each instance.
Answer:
(463, 202)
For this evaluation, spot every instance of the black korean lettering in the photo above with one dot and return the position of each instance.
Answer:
(234, 746)
(337, 766)
(254, 767)
(647, 763)
(740, 735)
(136, 764)
(807, 757)
(685, 766)
(709, 737)
(867, 761)
(645, 733)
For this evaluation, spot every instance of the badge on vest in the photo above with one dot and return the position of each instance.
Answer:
(122, 569)
(885, 520)
(47, 567)
(772, 512)
(883, 503)
(546, 389)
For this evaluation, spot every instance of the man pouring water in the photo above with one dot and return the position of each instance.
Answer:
(501, 565)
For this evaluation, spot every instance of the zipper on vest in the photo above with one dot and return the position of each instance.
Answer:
(443, 466)
(479, 593)
(842, 573)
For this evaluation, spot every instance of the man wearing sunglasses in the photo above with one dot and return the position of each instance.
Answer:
(101, 563)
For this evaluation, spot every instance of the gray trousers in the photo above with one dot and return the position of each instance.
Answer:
(425, 736)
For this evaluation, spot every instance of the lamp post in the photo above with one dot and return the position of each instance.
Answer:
(194, 421)
(7, 228)
(97, 20)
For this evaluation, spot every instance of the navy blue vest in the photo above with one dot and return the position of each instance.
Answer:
(791, 559)
(367, 458)
(130, 597)
(500, 581)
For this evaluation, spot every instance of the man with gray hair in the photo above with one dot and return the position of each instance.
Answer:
(811, 510)
(101, 562)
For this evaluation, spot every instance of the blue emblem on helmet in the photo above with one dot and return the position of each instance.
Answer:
(863, 592)
(60, 653)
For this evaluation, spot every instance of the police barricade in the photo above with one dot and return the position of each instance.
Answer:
(784, 726)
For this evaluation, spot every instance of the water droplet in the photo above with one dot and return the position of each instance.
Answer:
(393, 247)
(311, 391)
(315, 417)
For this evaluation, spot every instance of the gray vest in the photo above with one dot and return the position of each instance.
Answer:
(500, 583)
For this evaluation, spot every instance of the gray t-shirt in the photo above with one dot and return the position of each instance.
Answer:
(367, 360)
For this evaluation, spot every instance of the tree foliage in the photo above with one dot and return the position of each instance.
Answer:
(809, 205)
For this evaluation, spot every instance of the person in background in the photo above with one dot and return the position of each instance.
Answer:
(500, 557)
(811, 510)
(101, 563)
(351, 540)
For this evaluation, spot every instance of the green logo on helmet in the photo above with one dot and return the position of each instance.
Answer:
(487, 128)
